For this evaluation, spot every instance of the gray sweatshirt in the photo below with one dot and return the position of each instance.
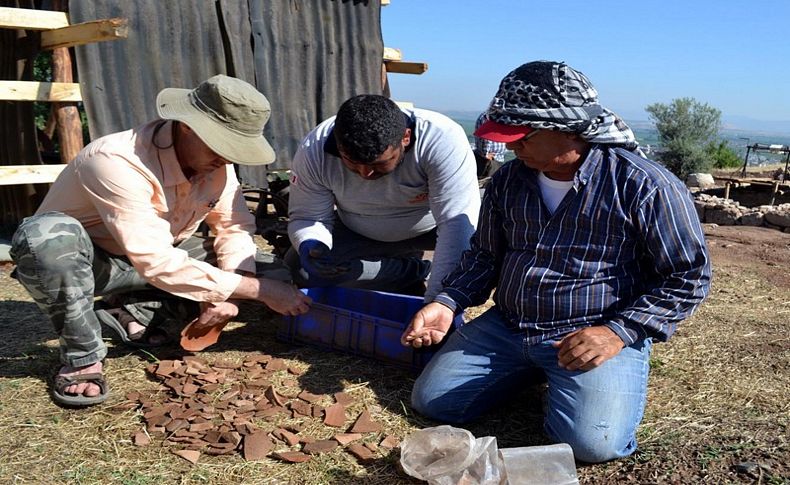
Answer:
(434, 187)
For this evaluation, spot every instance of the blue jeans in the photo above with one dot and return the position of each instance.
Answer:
(596, 412)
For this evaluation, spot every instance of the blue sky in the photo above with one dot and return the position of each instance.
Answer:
(733, 55)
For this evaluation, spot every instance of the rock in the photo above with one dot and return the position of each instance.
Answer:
(754, 219)
(778, 218)
(700, 207)
(701, 180)
(723, 217)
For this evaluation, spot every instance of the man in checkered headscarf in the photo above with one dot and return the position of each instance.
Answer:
(554, 96)
(594, 252)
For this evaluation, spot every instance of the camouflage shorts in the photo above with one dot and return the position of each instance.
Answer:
(63, 271)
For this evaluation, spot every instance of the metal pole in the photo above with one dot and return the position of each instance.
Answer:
(745, 161)
(787, 161)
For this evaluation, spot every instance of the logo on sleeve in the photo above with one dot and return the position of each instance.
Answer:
(419, 199)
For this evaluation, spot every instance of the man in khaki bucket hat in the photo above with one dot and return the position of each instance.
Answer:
(120, 220)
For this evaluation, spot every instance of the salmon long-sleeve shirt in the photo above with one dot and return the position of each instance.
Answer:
(134, 200)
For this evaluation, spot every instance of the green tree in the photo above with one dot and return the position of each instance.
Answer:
(685, 128)
(723, 155)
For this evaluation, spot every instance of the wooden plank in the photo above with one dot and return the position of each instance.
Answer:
(38, 91)
(404, 67)
(85, 33)
(30, 19)
(384, 3)
(29, 174)
(391, 54)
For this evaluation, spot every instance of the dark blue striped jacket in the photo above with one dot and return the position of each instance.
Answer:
(623, 249)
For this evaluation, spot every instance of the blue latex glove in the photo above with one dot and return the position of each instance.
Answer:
(314, 258)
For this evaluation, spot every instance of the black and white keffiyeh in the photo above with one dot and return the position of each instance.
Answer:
(554, 96)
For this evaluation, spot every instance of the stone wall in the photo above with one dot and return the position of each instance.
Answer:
(727, 212)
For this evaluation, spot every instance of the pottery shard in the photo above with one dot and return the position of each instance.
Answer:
(365, 424)
(346, 438)
(132, 396)
(308, 396)
(189, 455)
(318, 411)
(167, 367)
(302, 408)
(372, 447)
(257, 446)
(295, 371)
(199, 427)
(141, 439)
(273, 397)
(276, 364)
(361, 452)
(292, 456)
(335, 415)
(190, 389)
(390, 442)
(317, 447)
(286, 436)
(343, 398)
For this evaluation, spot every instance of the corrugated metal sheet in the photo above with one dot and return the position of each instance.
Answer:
(306, 56)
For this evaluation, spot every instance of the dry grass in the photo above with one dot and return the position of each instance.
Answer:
(719, 395)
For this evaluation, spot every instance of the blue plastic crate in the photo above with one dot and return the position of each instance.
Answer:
(360, 322)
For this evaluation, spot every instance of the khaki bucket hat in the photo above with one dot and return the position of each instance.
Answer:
(228, 114)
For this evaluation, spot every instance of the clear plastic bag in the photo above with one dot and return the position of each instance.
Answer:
(445, 455)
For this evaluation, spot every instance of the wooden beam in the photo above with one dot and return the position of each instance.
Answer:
(391, 54)
(29, 19)
(384, 3)
(403, 67)
(38, 91)
(85, 33)
(29, 174)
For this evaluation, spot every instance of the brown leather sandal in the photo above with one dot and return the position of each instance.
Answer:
(79, 400)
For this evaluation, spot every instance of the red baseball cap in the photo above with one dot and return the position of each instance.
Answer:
(491, 130)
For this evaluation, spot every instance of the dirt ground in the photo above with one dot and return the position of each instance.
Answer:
(718, 406)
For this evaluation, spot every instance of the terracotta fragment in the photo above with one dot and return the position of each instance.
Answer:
(343, 398)
(133, 396)
(390, 442)
(317, 447)
(346, 438)
(201, 427)
(308, 396)
(361, 452)
(292, 456)
(195, 339)
(189, 455)
(274, 397)
(276, 364)
(141, 439)
(335, 415)
(295, 371)
(301, 408)
(189, 389)
(257, 446)
(318, 411)
(372, 447)
(365, 424)
(286, 436)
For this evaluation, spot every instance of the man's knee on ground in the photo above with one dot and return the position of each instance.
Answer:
(598, 446)
(438, 407)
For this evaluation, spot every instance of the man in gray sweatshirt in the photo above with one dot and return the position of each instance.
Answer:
(375, 186)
